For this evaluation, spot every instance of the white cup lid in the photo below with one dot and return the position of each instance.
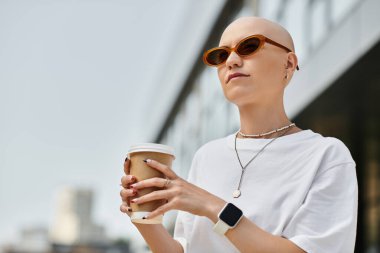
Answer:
(151, 147)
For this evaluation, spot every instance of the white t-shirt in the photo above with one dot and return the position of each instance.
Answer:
(303, 187)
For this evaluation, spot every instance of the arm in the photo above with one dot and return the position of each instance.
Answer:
(248, 237)
(158, 238)
(182, 195)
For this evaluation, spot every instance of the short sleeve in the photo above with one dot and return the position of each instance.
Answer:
(326, 221)
(179, 230)
(184, 221)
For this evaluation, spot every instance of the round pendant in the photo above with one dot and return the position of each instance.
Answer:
(236, 194)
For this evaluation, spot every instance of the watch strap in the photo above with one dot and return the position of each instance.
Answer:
(221, 227)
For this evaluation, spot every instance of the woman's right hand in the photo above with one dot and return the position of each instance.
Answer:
(126, 193)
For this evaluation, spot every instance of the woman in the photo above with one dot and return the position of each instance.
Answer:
(270, 187)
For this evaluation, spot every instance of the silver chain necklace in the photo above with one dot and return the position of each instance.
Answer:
(237, 192)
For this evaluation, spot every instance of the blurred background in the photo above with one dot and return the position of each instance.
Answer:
(82, 80)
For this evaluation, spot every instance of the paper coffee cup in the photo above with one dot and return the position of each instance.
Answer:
(138, 168)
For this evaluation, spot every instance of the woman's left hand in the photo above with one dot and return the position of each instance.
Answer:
(180, 194)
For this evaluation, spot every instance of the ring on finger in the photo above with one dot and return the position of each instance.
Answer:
(167, 182)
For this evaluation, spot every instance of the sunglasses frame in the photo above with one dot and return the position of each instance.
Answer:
(262, 40)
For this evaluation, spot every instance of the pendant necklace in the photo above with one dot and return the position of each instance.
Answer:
(237, 192)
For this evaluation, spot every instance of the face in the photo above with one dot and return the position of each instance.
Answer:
(263, 81)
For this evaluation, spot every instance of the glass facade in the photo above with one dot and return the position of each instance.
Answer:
(348, 109)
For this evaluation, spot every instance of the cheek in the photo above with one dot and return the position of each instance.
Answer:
(221, 74)
(267, 72)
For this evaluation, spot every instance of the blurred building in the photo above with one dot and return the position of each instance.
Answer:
(335, 92)
(73, 223)
(73, 231)
(32, 240)
(90, 248)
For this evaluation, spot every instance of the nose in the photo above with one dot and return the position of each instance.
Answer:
(233, 60)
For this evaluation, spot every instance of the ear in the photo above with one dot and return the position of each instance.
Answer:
(290, 66)
(292, 62)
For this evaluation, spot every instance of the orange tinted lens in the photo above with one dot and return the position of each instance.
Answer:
(248, 46)
(217, 56)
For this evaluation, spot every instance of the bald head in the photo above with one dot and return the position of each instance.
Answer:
(256, 25)
(268, 70)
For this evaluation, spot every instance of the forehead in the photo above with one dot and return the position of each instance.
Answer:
(238, 31)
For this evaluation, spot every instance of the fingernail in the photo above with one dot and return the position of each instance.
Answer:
(133, 186)
(133, 200)
(126, 159)
(134, 191)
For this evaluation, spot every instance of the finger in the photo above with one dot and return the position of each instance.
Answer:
(156, 195)
(162, 168)
(126, 180)
(125, 194)
(160, 210)
(151, 182)
(125, 208)
(127, 164)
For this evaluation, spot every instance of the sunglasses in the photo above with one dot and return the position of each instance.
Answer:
(247, 46)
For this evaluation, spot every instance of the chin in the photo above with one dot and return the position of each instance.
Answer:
(238, 91)
(239, 98)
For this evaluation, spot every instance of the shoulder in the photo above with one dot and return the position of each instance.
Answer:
(331, 155)
(212, 146)
(334, 151)
(203, 156)
(215, 147)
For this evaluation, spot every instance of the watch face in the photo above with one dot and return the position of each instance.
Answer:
(231, 215)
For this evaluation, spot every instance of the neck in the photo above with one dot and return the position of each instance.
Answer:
(257, 119)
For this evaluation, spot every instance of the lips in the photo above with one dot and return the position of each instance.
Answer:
(235, 75)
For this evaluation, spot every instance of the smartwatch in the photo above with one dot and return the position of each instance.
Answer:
(229, 217)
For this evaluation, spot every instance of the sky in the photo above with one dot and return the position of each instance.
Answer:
(74, 76)
(80, 82)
